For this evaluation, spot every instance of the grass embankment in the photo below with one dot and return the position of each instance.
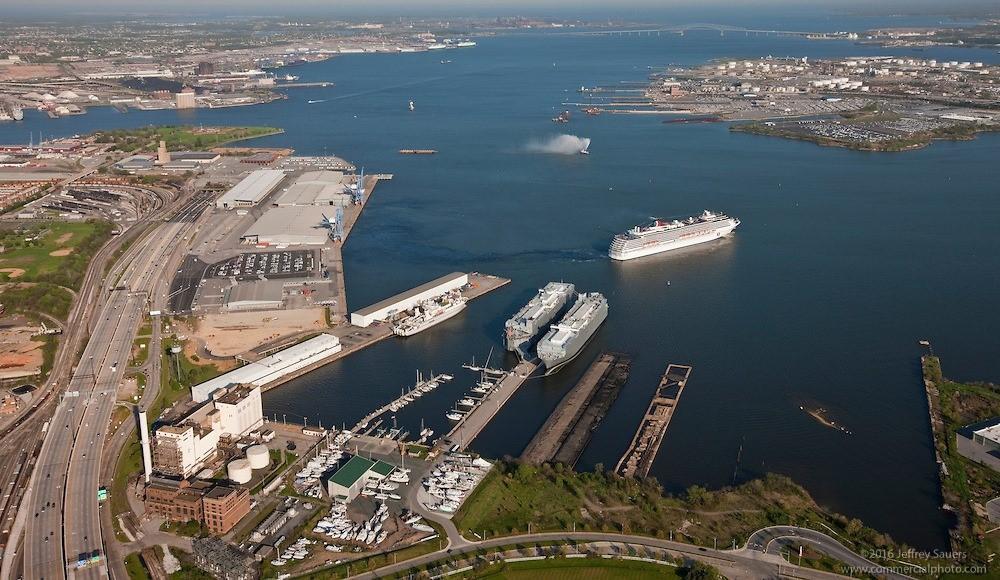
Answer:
(575, 569)
(42, 297)
(129, 464)
(177, 138)
(135, 568)
(177, 376)
(968, 485)
(55, 252)
(555, 498)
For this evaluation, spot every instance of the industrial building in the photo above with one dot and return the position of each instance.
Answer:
(271, 368)
(224, 561)
(317, 188)
(218, 507)
(382, 311)
(980, 442)
(251, 190)
(348, 481)
(187, 444)
(306, 225)
(254, 295)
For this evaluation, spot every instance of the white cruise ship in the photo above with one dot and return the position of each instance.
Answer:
(664, 235)
(429, 313)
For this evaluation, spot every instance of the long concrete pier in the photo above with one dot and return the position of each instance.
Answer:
(469, 427)
(354, 338)
(567, 431)
(639, 456)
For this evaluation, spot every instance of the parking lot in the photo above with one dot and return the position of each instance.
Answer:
(253, 265)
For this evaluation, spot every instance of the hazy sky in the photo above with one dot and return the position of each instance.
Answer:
(566, 8)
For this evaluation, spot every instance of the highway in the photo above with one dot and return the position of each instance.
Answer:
(63, 496)
(771, 541)
(21, 437)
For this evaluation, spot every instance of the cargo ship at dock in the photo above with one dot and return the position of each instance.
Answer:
(524, 327)
(566, 339)
(664, 235)
(429, 313)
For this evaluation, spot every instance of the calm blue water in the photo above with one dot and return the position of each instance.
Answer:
(844, 260)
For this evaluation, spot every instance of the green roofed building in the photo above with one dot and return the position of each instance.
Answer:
(348, 481)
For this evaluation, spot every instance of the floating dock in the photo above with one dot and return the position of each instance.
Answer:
(641, 453)
(567, 431)
(472, 424)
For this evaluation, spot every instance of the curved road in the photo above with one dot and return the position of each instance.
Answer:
(771, 540)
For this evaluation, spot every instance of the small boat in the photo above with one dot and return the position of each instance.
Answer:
(313, 102)
(411, 106)
(454, 416)
(584, 151)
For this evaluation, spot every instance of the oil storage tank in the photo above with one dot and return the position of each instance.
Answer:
(240, 471)
(258, 456)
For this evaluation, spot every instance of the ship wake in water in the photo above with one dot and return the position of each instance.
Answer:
(559, 145)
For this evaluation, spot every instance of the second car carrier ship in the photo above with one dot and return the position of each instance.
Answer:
(567, 338)
(521, 331)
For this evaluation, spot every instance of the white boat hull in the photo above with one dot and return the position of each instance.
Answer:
(410, 331)
(673, 245)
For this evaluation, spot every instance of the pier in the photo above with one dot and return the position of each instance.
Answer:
(469, 426)
(641, 453)
(354, 338)
(567, 431)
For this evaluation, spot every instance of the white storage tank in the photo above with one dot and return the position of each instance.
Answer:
(258, 456)
(240, 471)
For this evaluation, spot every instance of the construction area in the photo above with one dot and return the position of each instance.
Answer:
(641, 452)
(567, 431)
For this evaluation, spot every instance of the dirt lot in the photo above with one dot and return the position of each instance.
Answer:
(20, 356)
(230, 334)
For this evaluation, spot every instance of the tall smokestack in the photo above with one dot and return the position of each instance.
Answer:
(147, 456)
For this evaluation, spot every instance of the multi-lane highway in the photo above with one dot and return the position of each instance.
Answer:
(72, 420)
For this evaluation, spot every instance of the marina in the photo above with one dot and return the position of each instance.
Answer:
(498, 387)
(638, 458)
(568, 429)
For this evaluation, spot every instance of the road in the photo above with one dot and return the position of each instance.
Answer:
(771, 541)
(68, 472)
(733, 564)
(21, 437)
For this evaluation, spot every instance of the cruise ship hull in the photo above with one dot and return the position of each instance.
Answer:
(429, 322)
(658, 247)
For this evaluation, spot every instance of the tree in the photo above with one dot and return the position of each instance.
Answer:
(701, 571)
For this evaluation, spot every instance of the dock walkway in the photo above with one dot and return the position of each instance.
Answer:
(567, 431)
(641, 453)
(469, 427)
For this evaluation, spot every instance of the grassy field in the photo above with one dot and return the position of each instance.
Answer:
(43, 297)
(136, 570)
(55, 252)
(968, 485)
(578, 569)
(182, 137)
(129, 463)
(555, 498)
(174, 386)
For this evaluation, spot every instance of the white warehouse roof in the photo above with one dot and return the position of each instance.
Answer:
(272, 368)
(317, 188)
(291, 226)
(252, 189)
(386, 308)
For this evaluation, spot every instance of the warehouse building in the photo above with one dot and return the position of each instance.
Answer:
(348, 481)
(321, 188)
(254, 295)
(252, 190)
(382, 311)
(271, 368)
(306, 225)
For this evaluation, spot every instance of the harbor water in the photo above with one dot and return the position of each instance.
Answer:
(843, 260)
